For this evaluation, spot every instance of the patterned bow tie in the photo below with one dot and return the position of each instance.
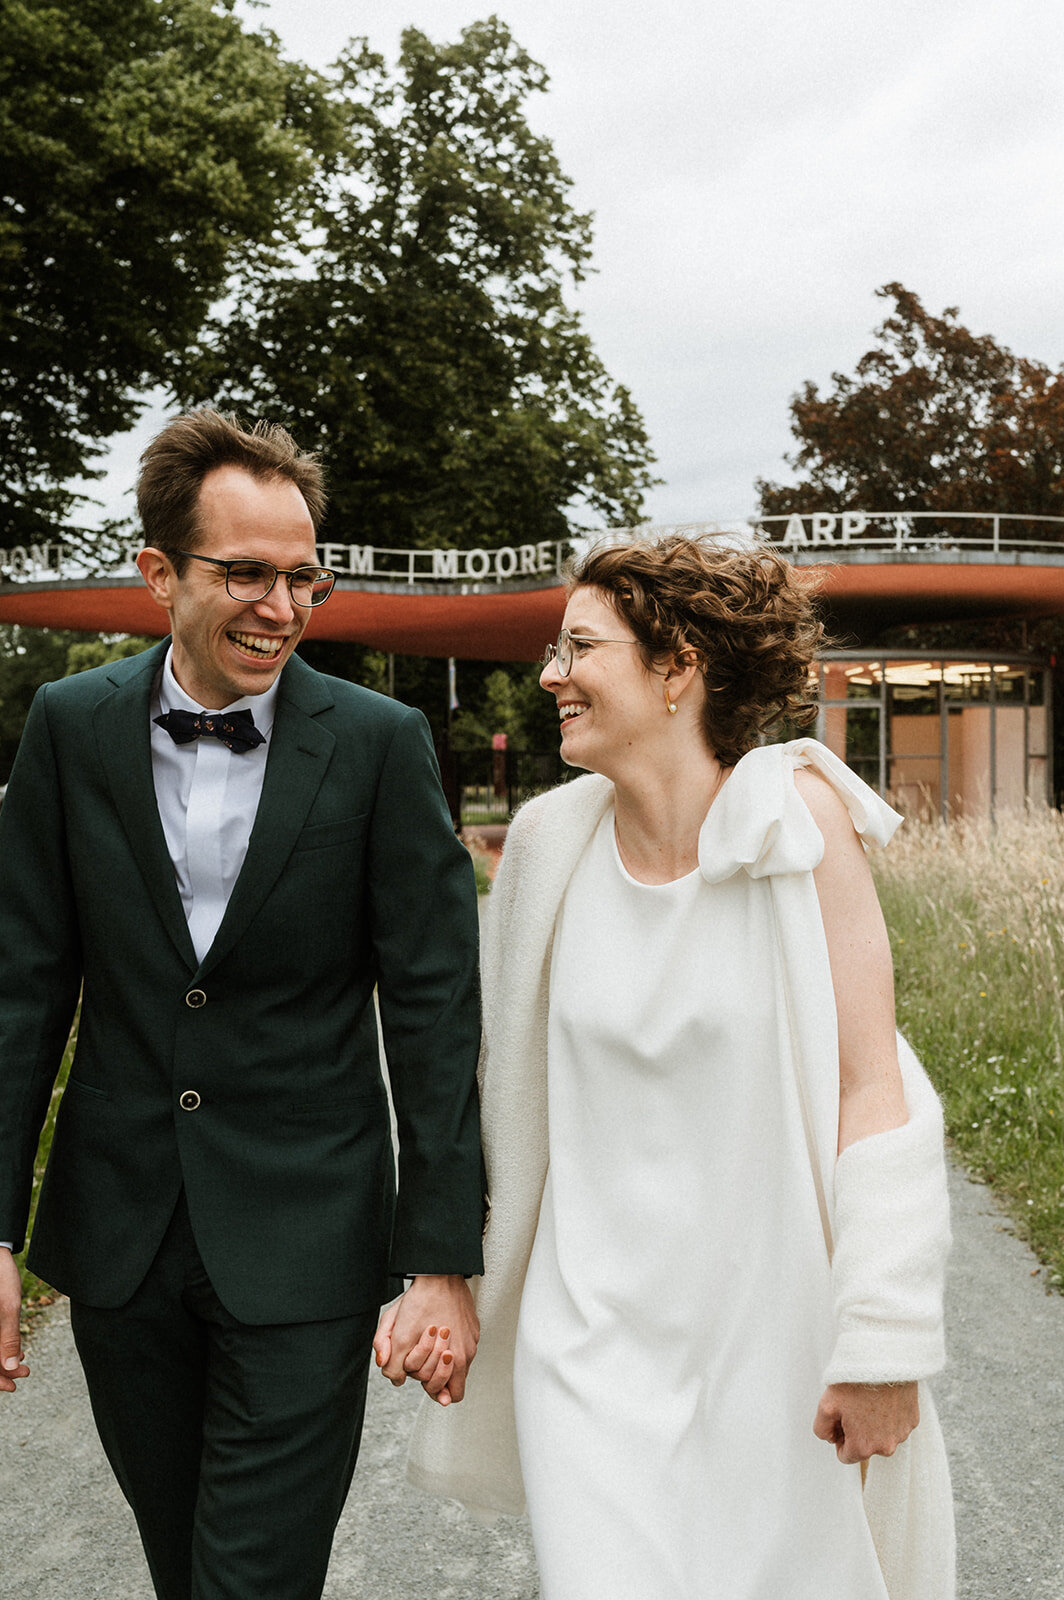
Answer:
(234, 728)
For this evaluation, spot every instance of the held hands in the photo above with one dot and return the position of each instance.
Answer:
(866, 1419)
(12, 1365)
(430, 1333)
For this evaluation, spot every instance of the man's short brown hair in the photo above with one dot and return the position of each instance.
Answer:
(177, 460)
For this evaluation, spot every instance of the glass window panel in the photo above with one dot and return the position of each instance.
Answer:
(914, 700)
(914, 784)
(967, 682)
(1036, 779)
(914, 676)
(1008, 685)
(862, 732)
(852, 733)
(863, 680)
(850, 680)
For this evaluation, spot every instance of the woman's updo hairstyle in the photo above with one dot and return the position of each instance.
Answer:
(743, 613)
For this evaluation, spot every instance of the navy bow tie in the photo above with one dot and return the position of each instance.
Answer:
(234, 728)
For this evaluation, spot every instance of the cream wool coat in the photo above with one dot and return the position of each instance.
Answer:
(883, 1202)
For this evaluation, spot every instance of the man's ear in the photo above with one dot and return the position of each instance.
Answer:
(158, 573)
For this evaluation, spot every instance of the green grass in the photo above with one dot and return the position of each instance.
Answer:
(976, 917)
(36, 1294)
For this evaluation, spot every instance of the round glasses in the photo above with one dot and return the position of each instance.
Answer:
(562, 652)
(250, 580)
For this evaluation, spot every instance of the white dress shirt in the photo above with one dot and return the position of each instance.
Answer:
(208, 797)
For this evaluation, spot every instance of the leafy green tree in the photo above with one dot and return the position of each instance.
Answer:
(498, 711)
(935, 419)
(32, 656)
(28, 658)
(146, 147)
(98, 650)
(427, 349)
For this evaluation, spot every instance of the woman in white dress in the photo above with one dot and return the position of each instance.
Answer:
(714, 1260)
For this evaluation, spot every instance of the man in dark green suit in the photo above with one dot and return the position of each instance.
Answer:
(225, 853)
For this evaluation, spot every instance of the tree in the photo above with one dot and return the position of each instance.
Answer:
(32, 656)
(96, 650)
(146, 147)
(427, 350)
(935, 419)
(28, 658)
(499, 711)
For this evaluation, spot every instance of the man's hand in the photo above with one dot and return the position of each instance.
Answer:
(12, 1365)
(866, 1419)
(430, 1333)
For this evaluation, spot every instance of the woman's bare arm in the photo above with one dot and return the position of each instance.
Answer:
(860, 1420)
(871, 1099)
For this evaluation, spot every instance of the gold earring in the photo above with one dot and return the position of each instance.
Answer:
(669, 703)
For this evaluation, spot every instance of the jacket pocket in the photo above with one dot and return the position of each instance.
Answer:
(323, 834)
(87, 1088)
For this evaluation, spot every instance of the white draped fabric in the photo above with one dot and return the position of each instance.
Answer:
(676, 1316)
(669, 1242)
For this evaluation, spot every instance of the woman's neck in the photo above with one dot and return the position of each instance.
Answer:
(658, 815)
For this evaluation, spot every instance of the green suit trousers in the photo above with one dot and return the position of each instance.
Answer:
(234, 1444)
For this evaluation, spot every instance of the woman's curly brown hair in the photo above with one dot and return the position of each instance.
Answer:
(743, 612)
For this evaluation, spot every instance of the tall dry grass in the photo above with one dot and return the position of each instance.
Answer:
(976, 917)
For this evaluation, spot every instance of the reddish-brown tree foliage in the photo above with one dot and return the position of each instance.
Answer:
(935, 418)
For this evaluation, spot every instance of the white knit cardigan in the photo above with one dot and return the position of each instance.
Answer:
(883, 1202)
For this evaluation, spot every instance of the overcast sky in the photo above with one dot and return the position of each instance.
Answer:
(756, 171)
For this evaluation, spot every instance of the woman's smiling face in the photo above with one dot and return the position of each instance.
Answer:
(609, 703)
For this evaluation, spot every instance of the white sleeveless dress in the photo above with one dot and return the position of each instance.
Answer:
(676, 1315)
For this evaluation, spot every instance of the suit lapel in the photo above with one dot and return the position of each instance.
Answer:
(299, 754)
(120, 723)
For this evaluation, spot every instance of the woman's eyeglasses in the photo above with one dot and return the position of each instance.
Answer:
(562, 652)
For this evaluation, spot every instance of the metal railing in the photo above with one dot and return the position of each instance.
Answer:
(998, 532)
(910, 530)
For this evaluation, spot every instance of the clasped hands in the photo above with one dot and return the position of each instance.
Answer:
(430, 1334)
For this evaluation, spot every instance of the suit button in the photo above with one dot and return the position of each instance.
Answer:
(195, 998)
(189, 1100)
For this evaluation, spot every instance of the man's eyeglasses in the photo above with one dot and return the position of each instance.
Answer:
(562, 652)
(252, 580)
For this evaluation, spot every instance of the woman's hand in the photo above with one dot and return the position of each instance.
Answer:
(866, 1419)
(430, 1333)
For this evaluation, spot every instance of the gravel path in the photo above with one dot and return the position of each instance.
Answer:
(67, 1534)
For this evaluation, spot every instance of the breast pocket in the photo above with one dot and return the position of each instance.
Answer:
(327, 835)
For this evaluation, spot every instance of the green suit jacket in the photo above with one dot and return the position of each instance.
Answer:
(353, 879)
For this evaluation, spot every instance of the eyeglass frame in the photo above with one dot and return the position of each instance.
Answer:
(278, 572)
(565, 642)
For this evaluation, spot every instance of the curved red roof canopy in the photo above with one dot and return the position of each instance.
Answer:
(496, 623)
(865, 590)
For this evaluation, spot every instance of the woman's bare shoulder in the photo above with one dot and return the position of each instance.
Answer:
(827, 808)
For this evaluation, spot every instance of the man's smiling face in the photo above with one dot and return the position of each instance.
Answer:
(225, 648)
